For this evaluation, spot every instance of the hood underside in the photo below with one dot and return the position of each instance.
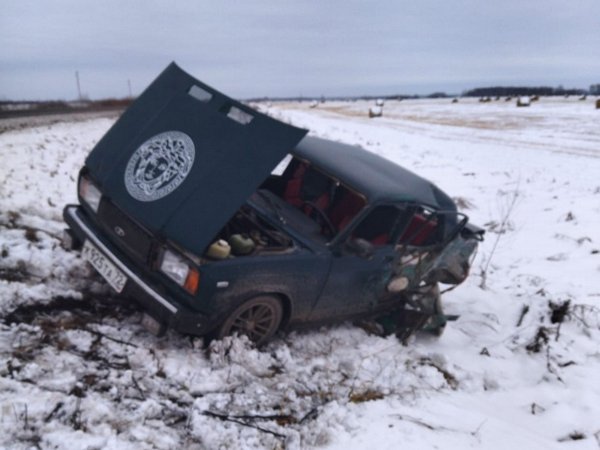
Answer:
(184, 157)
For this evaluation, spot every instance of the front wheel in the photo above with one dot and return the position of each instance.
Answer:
(259, 319)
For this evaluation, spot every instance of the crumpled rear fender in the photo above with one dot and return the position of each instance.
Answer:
(454, 262)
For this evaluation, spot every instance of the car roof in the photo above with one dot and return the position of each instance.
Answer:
(379, 179)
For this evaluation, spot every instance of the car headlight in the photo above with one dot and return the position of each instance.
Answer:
(178, 270)
(89, 193)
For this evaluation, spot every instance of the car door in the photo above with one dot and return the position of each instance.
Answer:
(361, 265)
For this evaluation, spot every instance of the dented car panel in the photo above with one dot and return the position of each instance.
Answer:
(221, 220)
(296, 279)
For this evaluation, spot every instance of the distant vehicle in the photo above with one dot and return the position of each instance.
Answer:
(375, 111)
(221, 220)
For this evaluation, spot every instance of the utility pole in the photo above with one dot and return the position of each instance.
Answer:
(129, 86)
(78, 86)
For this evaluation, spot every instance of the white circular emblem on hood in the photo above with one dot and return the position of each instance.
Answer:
(159, 166)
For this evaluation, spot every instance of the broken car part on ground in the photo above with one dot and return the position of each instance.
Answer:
(219, 219)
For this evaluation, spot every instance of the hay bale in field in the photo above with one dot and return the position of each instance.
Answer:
(583, 97)
(523, 101)
(313, 104)
(535, 98)
(454, 100)
(598, 103)
(508, 99)
(375, 111)
(379, 102)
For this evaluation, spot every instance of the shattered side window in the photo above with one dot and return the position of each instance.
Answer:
(422, 228)
(379, 226)
(200, 94)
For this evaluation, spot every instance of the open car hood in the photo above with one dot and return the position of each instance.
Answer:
(184, 157)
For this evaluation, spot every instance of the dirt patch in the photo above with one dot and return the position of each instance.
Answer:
(90, 308)
(21, 123)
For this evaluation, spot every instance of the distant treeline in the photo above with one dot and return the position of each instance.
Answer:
(330, 99)
(513, 91)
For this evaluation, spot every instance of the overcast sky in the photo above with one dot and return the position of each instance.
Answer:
(294, 47)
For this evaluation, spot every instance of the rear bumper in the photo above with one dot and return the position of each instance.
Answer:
(151, 295)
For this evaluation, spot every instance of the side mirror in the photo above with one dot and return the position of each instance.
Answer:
(359, 247)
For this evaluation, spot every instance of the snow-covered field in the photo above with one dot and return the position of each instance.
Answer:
(520, 368)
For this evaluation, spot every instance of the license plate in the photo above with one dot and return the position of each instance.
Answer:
(107, 269)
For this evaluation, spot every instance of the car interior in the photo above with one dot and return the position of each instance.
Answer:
(332, 206)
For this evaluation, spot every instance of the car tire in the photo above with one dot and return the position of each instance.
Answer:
(258, 319)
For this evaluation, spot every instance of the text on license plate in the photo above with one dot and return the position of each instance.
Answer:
(107, 269)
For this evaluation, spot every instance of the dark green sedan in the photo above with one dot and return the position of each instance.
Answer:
(220, 220)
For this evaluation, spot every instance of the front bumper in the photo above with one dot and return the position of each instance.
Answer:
(151, 295)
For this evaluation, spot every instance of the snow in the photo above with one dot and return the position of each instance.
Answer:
(78, 371)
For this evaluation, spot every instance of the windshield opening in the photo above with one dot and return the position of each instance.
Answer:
(322, 198)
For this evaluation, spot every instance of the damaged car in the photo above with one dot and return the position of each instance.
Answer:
(219, 220)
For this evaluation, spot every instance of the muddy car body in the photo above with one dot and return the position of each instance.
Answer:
(219, 219)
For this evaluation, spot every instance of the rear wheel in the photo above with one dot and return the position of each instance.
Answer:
(258, 319)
